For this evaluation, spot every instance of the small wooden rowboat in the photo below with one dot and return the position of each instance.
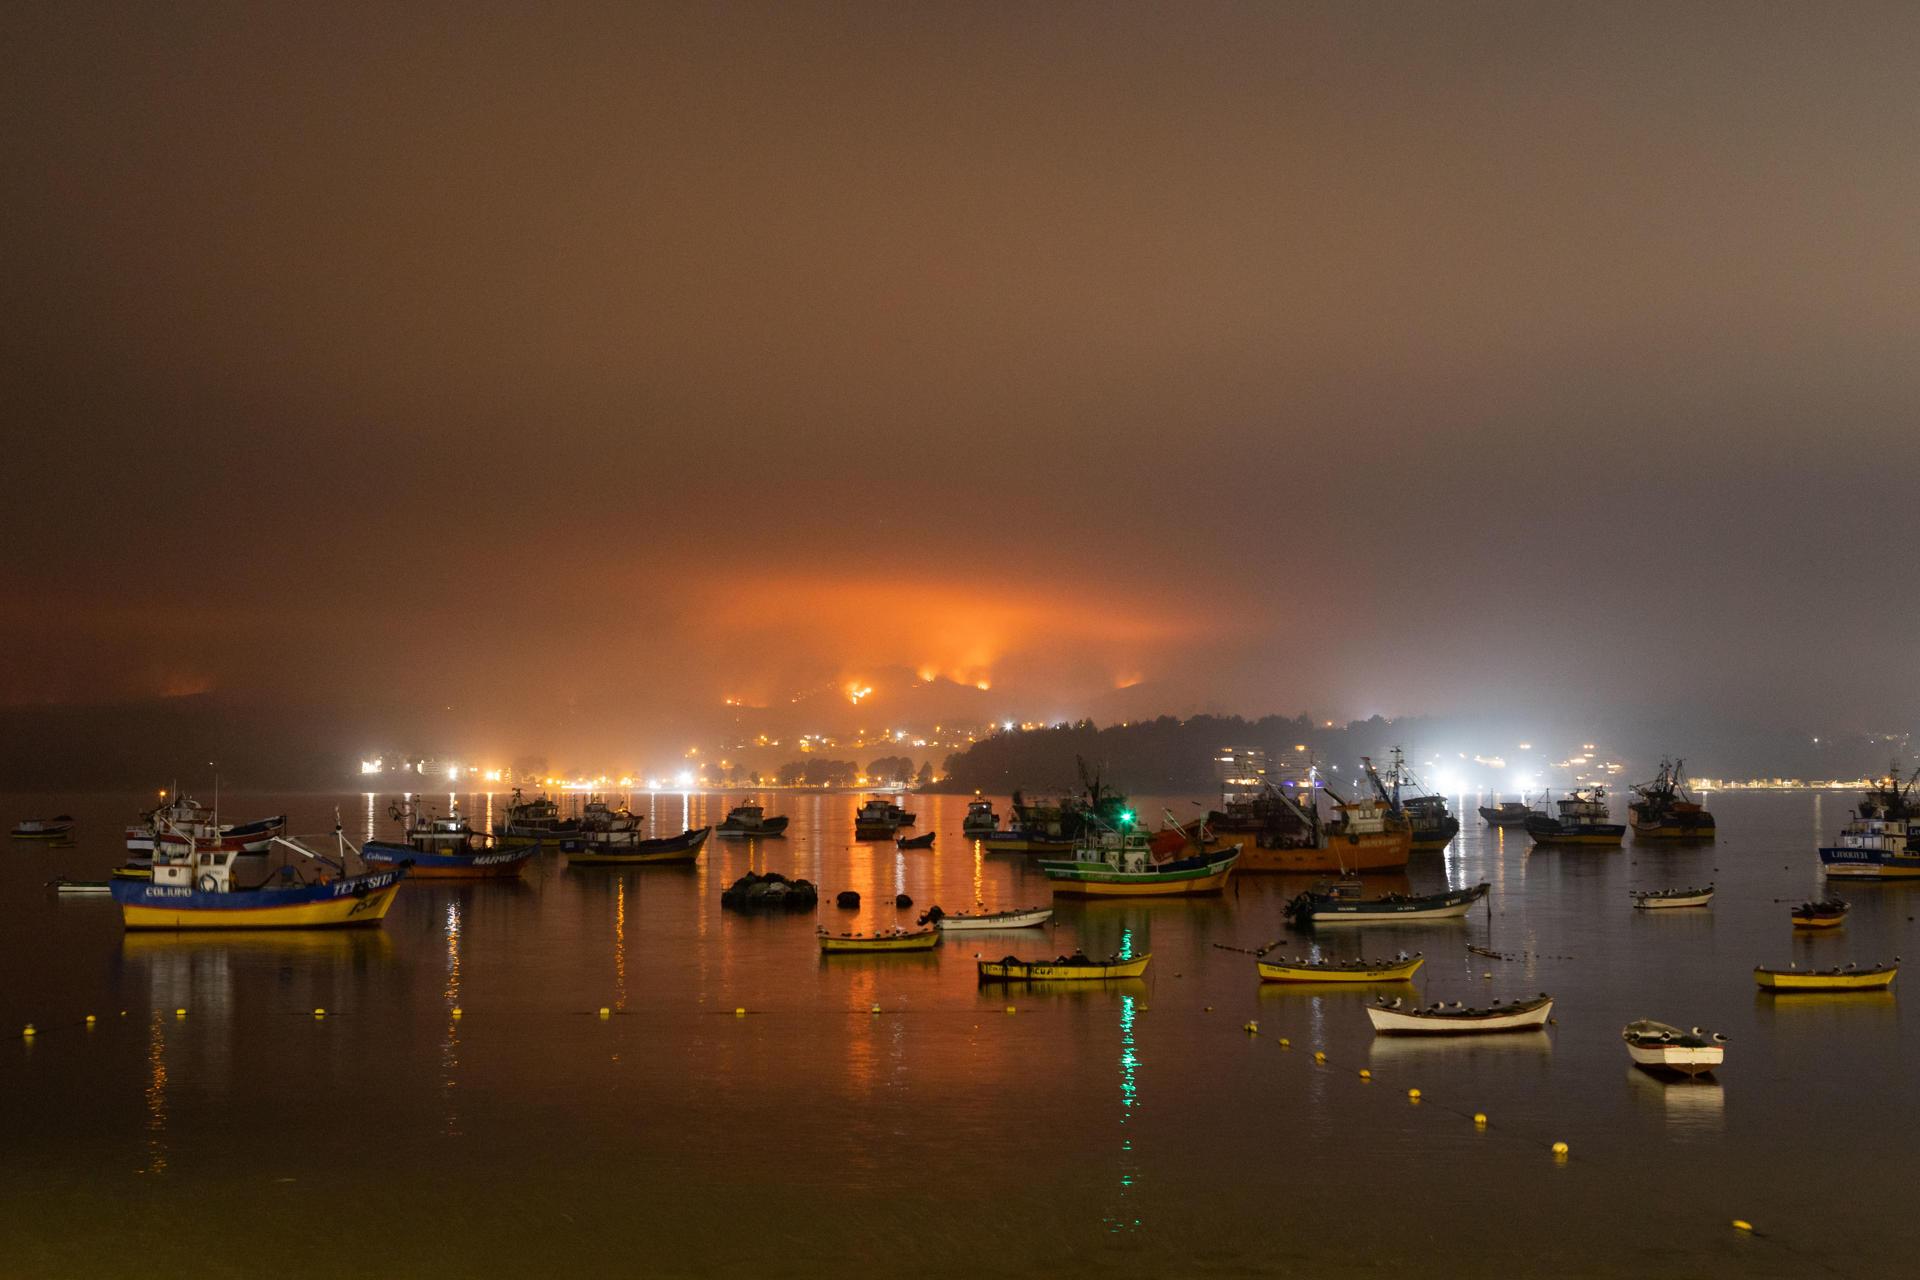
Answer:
(914, 842)
(44, 828)
(1346, 904)
(677, 850)
(1073, 968)
(1393, 1017)
(81, 888)
(1400, 969)
(1018, 918)
(1655, 1046)
(1852, 978)
(897, 940)
(1667, 899)
(1827, 913)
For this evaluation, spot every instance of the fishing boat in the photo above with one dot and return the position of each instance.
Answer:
(751, 820)
(1507, 813)
(1670, 899)
(1664, 810)
(537, 819)
(444, 848)
(1347, 903)
(1850, 978)
(868, 943)
(1882, 840)
(1655, 1046)
(1280, 833)
(193, 887)
(680, 850)
(1073, 968)
(1425, 812)
(1024, 841)
(1582, 820)
(876, 820)
(1018, 918)
(1395, 1017)
(185, 820)
(981, 820)
(1399, 969)
(1120, 862)
(914, 842)
(604, 829)
(43, 828)
(1826, 913)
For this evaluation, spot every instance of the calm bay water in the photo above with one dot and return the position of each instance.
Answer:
(1133, 1128)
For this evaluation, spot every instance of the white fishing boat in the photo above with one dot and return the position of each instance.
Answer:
(1396, 1017)
(1668, 899)
(1018, 918)
(1347, 903)
(981, 820)
(1656, 1046)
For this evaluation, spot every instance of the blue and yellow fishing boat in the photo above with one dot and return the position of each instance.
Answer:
(1882, 841)
(195, 889)
(445, 848)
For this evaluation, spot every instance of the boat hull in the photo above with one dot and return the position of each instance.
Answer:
(1384, 851)
(1809, 980)
(1000, 920)
(486, 864)
(1100, 880)
(1607, 834)
(922, 940)
(1869, 864)
(1020, 842)
(1818, 922)
(771, 827)
(1496, 818)
(679, 850)
(1672, 904)
(1681, 829)
(1441, 906)
(1683, 1060)
(42, 833)
(1053, 971)
(356, 900)
(1317, 973)
(1528, 1017)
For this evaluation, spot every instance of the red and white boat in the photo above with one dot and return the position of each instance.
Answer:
(186, 824)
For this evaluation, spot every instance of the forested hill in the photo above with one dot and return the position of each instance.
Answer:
(1164, 756)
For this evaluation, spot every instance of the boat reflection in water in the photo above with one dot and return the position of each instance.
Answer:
(1508, 1046)
(1697, 1105)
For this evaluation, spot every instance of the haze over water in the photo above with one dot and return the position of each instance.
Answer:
(1125, 1127)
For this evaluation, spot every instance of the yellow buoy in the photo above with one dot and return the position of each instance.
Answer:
(1413, 1095)
(876, 1009)
(1480, 1118)
(1252, 1028)
(739, 1013)
(1285, 1043)
(89, 1019)
(1009, 1008)
(1365, 1074)
(456, 1011)
(1488, 975)
(179, 1013)
(1207, 1009)
(28, 1032)
(1741, 1224)
(1319, 1055)
(319, 1013)
(1560, 1148)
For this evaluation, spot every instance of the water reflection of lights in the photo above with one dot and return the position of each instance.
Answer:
(1119, 1220)
(450, 1045)
(620, 945)
(156, 1095)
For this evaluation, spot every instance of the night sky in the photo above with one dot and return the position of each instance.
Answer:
(1341, 358)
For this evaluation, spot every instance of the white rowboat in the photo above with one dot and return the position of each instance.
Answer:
(1393, 1017)
(1022, 918)
(1665, 899)
(1659, 1047)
